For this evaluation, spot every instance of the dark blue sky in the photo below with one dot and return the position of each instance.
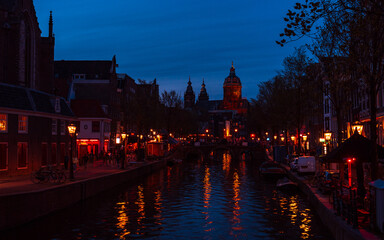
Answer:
(172, 40)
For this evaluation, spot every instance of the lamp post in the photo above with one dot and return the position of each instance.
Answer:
(72, 133)
(328, 137)
(123, 137)
(293, 143)
(305, 137)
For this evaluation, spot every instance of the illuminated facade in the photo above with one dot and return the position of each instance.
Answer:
(232, 94)
(224, 118)
(94, 128)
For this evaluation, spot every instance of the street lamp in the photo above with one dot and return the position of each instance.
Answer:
(328, 137)
(123, 137)
(72, 133)
(356, 126)
(305, 137)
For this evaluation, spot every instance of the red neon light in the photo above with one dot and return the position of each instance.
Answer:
(87, 140)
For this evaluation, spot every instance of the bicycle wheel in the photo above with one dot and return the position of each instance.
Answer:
(62, 177)
(53, 177)
(34, 178)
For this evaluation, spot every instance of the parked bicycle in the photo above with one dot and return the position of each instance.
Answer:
(48, 174)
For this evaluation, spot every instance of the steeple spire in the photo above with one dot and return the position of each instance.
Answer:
(50, 25)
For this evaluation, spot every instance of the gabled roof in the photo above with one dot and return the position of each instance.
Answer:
(87, 108)
(21, 98)
(64, 69)
(14, 97)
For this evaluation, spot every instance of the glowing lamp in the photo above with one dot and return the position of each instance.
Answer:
(275, 137)
(305, 137)
(322, 140)
(293, 138)
(72, 129)
(282, 139)
(357, 127)
(236, 130)
(206, 130)
(327, 136)
(123, 136)
(118, 141)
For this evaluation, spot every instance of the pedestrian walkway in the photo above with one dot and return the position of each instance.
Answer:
(23, 184)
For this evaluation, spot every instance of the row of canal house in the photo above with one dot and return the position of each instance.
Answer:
(33, 119)
(355, 107)
(39, 97)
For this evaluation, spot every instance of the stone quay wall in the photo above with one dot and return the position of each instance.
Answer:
(339, 228)
(21, 208)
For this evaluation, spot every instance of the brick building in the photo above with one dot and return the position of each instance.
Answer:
(98, 83)
(32, 119)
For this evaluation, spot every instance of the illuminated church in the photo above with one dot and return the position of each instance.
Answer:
(223, 118)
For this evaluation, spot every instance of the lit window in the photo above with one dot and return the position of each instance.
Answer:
(3, 123)
(23, 124)
(54, 126)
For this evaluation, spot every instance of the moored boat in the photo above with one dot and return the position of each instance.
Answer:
(271, 169)
(286, 184)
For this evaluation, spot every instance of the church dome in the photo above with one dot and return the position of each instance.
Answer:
(232, 78)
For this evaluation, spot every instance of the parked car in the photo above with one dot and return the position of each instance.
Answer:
(306, 164)
(293, 164)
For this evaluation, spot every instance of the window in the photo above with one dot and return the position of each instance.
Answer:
(3, 156)
(95, 126)
(44, 154)
(54, 153)
(23, 124)
(3, 122)
(22, 155)
(54, 126)
(326, 106)
(106, 127)
(62, 127)
(327, 123)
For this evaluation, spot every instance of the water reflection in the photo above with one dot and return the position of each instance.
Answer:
(236, 222)
(207, 199)
(207, 196)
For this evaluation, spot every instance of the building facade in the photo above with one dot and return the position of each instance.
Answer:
(33, 120)
(222, 118)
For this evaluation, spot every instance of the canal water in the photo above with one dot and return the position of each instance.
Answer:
(215, 198)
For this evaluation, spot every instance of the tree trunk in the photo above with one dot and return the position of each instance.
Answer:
(373, 105)
(298, 122)
(339, 121)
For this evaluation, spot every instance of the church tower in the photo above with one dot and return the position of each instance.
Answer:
(189, 96)
(203, 95)
(232, 91)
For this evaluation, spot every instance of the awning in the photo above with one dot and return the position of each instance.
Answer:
(357, 146)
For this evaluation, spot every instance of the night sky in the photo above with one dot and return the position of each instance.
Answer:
(172, 40)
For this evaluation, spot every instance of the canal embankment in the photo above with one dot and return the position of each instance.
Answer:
(22, 207)
(339, 228)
